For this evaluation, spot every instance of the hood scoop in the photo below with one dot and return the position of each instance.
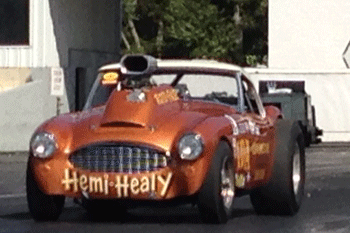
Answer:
(122, 124)
(130, 108)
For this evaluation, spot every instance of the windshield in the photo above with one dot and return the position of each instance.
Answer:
(210, 87)
(99, 93)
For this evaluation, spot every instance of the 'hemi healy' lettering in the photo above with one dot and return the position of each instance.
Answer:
(123, 185)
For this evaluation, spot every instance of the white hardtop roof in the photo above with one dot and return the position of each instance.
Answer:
(195, 63)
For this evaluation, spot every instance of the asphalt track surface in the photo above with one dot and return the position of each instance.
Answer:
(326, 206)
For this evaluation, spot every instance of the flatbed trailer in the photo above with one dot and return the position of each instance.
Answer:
(295, 104)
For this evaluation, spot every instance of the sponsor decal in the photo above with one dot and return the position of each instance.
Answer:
(235, 130)
(240, 180)
(249, 177)
(259, 174)
(169, 95)
(123, 185)
(257, 130)
(246, 125)
(260, 148)
(254, 129)
(110, 78)
(243, 127)
(243, 159)
(245, 150)
(251, 126)
(234, 145)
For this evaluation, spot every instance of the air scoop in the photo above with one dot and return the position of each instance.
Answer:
(141, 109)
(138, 65)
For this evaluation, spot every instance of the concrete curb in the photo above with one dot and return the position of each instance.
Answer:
(331, 144)
(14, 153)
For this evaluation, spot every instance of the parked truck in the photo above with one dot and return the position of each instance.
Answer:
(295, 104)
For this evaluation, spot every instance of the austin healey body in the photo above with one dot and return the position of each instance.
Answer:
(164, 130)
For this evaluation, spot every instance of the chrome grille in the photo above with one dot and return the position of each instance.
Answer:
(122, 158)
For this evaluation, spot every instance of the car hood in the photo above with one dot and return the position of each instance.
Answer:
(159, 119)
(160, 106)
(141, 108)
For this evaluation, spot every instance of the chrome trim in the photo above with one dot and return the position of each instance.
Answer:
(227, 188)
(296, 170)
(121, 158)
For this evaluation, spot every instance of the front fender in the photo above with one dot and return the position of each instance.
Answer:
(212, 130)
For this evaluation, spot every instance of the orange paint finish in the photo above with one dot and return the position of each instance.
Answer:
(273, 112)
(157, 125)
(254, 154)
(186, 178)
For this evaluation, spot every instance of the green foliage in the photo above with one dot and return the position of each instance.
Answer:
(225, 29)
(130, 9)
(197, 23)
(252, 60)
(254, 27)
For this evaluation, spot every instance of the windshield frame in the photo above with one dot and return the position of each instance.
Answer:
(92, 92)
(180, 72)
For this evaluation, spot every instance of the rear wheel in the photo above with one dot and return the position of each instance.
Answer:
(42, 207)
(283, 194)
(215, 200)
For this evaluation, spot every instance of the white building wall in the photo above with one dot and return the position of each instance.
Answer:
(59, 25)
(24, 108)
(85, 25)
(329, 92)
(307, 40)
(42, 50)
(63, 33)
(307, 34)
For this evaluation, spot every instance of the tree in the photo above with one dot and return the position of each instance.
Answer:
(196, 28)
(254, 25)
(129, 27)
(199, 25)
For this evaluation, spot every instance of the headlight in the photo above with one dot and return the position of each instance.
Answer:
(190, 146)
(43, 145)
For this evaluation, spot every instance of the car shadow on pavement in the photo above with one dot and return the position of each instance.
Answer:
(187, 215)
(173, 215)
(17, 216)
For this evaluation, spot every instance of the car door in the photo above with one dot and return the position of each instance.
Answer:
(261, 134)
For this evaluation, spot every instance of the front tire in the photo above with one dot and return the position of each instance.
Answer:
(215, 200)
(41, 206)
(283, 194)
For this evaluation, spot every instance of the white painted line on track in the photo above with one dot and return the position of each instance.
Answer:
(4, 196)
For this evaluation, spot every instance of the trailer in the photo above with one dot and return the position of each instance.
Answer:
(295, 104)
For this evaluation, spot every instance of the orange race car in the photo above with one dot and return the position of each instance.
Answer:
(164, 131)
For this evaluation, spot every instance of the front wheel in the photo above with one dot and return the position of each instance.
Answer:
(215, 200)
(42, 207)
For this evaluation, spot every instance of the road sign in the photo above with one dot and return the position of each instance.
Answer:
(346, 55)
(57, 81)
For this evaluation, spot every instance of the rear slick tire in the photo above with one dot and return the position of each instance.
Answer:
(42, 207)
(283, 194)
(216, 197)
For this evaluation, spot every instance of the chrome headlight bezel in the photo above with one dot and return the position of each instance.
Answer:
(43, 145)
(190, 146)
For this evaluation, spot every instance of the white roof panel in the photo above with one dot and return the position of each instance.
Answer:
(196, 63)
